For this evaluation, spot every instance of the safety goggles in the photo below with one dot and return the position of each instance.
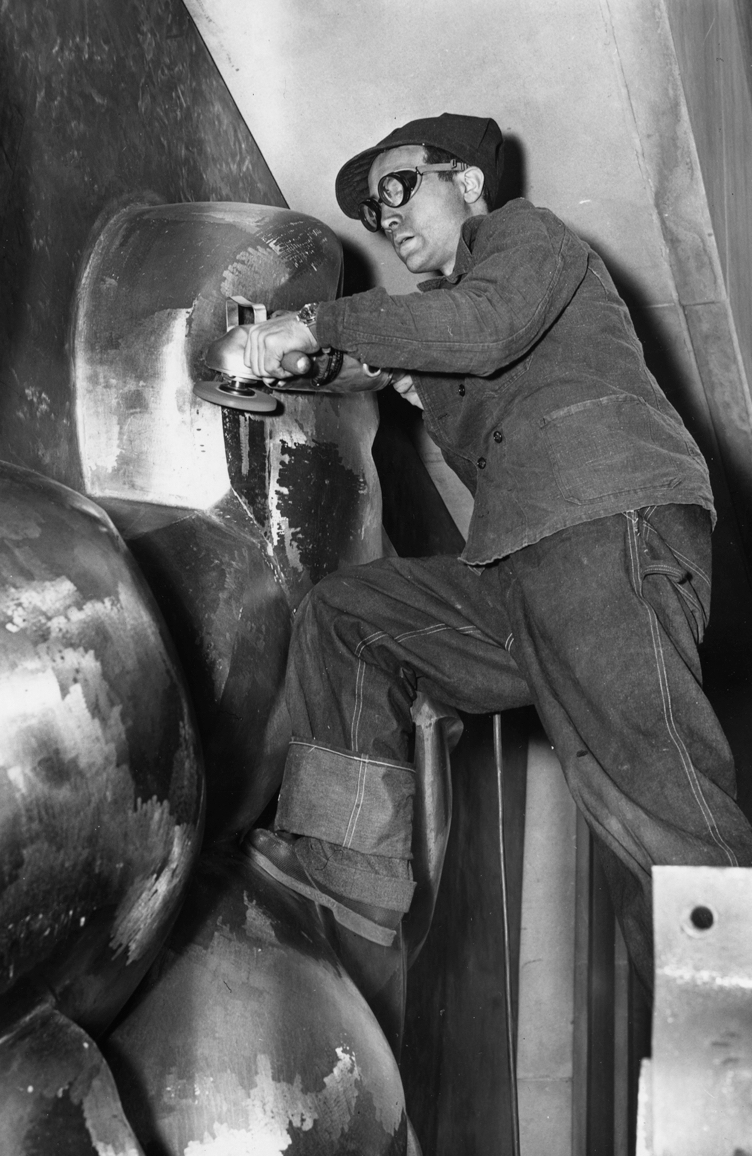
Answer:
(396, 189)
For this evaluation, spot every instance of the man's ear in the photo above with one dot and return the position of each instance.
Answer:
(472, 180)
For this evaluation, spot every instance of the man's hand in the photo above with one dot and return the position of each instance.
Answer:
(404, 386)
(269, 341)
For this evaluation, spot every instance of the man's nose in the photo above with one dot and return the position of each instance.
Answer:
(390, 218)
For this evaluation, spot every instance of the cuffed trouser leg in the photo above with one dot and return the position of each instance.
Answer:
(362, 640)
(356, 815)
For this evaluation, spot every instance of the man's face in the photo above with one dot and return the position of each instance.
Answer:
(425, 231)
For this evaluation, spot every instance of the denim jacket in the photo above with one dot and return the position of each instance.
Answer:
(533, 382)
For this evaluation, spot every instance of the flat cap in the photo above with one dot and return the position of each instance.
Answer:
(475, 140)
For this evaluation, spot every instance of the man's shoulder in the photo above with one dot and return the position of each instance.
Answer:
(520, 225)
(511, 217)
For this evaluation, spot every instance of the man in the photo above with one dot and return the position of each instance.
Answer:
(585, 583)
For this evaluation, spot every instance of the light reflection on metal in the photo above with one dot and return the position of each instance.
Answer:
(232, 517)
(151, 299)
(252, 1038)
(101, 807)
(698, 1085)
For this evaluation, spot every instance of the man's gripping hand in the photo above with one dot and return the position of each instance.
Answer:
(269, 341)
(406, 388)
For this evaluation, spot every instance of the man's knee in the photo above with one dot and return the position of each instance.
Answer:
(349, 590)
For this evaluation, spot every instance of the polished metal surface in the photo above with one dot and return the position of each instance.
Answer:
(57, 1094)
(101, 787)
(101, 809)
(150, 301)
(232, 516)
(251, 1037)
(698, 1085)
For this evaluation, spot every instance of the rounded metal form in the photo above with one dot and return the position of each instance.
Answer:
(249, 1036)
(151, 300)
(101, 786)
(57, 1094)
(232, 518)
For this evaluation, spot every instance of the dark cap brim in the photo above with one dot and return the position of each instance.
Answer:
(351, 185)
(474, 140)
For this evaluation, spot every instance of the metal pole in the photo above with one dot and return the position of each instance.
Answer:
(511, 1057)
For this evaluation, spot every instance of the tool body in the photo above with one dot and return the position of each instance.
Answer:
(236, 387)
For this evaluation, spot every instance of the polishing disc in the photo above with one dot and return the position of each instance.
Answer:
(252, 399)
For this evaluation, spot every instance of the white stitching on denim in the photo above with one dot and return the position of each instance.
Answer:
(678, 742)
(360, 795)
(367, 641)
(360, 676)
(312, 744)
(435, 629)
(692, 566)
(359, 680)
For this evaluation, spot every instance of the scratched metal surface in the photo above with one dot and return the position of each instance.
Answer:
(103, 107)
(150, 300)
(101, 788)
(58, 1094)
(261, 508)
(99, 104)
(279, 1054)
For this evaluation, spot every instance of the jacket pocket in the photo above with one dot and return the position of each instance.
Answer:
(599, 448)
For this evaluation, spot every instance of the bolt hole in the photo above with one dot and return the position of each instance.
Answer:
(701, 918)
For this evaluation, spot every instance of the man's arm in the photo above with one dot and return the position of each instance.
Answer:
(526, 268)
(525, 271)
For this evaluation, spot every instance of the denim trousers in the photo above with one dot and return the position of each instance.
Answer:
(598, 626)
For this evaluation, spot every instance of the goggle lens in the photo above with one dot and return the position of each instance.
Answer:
(395, 190)
(370, 215)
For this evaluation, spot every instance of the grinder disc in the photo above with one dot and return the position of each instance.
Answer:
(252, 399)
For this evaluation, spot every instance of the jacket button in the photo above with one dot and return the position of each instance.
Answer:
(461, 389)
(481, 463)
(498, 435)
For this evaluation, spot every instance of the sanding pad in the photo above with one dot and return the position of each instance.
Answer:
(237, 395)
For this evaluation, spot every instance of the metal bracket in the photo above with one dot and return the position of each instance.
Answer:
(698, 1085)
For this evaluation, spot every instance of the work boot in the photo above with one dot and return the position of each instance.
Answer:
(275, 854)
(366, 938)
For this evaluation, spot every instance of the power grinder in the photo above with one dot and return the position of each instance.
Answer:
(236, 387)
(238, 390)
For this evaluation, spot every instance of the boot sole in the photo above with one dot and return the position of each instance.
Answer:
(366, 928)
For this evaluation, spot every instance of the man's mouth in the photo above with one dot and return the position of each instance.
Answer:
(402, 240)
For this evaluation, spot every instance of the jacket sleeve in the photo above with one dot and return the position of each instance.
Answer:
(526, 266)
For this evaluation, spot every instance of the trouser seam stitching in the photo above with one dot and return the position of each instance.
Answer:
(684, 758)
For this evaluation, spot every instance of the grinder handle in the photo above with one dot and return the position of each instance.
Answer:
(297, 363)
